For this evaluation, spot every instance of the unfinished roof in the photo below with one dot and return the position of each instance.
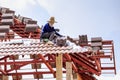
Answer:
(86, 56)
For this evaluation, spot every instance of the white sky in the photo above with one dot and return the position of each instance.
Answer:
(76, 17)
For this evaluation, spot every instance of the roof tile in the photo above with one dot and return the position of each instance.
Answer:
(33, 48)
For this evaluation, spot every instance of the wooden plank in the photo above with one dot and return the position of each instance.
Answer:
(69, 75)
(4, 77)
(74, 76)
(77, 76)
(59, 67)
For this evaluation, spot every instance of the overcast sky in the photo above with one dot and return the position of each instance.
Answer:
(96, 18)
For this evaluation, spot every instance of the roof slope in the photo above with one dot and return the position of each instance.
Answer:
(86, 62)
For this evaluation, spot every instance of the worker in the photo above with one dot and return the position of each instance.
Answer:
(48, 31)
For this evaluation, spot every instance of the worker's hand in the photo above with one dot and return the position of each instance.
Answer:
(62, 36)
(57, 30)
(65, 37)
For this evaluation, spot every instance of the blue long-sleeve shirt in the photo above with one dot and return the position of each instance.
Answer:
(48, 28)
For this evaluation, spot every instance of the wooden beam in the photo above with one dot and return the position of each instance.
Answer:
(77, 76)
(69, 75)
(59, 66)
(4, 77)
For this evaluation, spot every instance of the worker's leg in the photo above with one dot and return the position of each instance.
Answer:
(52, 36)
(45, 35)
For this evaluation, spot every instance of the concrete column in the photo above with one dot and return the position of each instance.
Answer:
(69, 75)
(59, 67)
(4, 77)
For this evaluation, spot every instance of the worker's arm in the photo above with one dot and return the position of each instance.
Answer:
(58, 34)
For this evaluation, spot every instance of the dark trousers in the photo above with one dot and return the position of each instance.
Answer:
(48, 35)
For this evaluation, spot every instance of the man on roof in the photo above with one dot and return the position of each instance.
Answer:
(48, 31)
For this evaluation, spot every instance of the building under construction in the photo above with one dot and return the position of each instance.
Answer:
(22, 54)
